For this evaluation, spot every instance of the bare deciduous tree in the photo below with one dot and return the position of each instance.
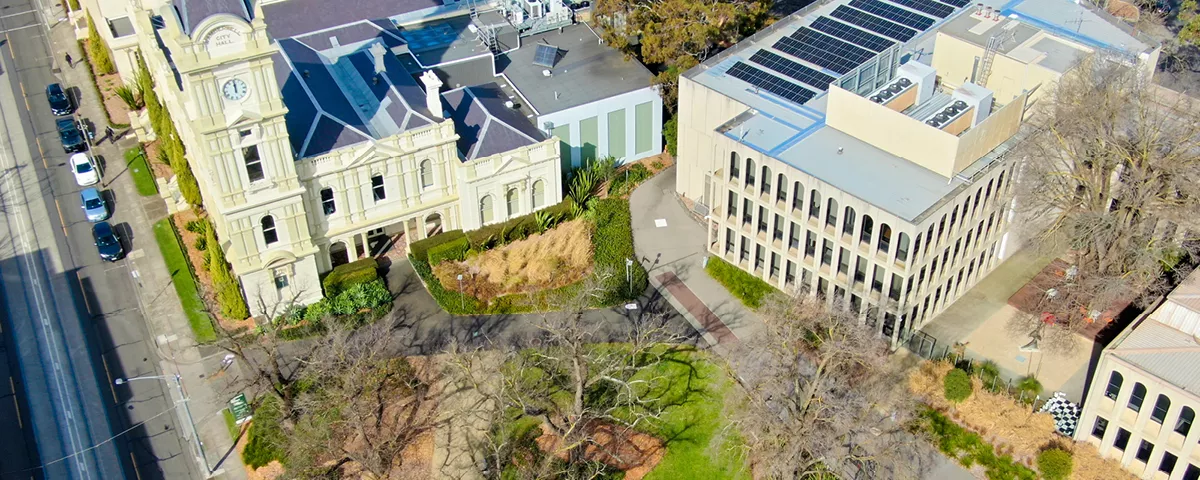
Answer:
(266, 361)
(363, 406)
(825, 399)
(1112, 170)
(575, 382)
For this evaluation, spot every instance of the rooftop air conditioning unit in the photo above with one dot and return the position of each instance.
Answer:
(876, 99)
(941, 117)
(894, 88)
(904, 82)
(933, 122)
(885, 94)
(959, 104)
(950, 111)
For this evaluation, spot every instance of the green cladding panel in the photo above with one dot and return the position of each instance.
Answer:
(616, 134)
(589, 139)
(643, 115)
(563, 132)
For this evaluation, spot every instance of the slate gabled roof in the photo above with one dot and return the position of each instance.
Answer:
(353, 33)
(337, 102)
(298, 17)
(192, 12)
(485, 126)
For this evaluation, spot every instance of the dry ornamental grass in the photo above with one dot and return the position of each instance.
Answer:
(1008, 425)
(544, 261)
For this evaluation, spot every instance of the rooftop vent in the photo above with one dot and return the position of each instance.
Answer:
(510, 104)
(546, 73)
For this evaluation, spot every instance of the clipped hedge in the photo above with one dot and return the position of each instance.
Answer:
(348, 275)
(454, 250)
(420, 248)
(229, 292)
(497, 234)
(748, 288)
(612, 239)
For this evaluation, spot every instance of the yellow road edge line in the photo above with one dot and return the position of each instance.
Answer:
(61, 219)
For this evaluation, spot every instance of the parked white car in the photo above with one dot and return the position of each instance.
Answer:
(85, 171)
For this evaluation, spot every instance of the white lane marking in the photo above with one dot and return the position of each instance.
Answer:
(27, 12)
(21, 28)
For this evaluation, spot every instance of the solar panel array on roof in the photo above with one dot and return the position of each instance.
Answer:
(792, 69)
(778, 86)
(825, 51)
(873, 23)
(839, 46)
(851, 34)
(893, 13)
(545, 55)
(931, 7)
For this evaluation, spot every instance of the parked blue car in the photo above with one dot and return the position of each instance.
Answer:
(94, 205)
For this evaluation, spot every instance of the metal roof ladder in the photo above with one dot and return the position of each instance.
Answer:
(989, 55)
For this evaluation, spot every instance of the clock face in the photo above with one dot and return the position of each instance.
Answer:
(234, 89)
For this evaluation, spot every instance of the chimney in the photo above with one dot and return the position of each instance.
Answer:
(377, 52)
(433, 96)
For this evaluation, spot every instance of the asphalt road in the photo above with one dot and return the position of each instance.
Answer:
(72, 320)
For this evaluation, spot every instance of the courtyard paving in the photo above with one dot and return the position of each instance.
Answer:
(979, 318)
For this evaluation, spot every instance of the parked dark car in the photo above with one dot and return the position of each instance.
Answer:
(69, 134)
(107, 242)
(60, 103)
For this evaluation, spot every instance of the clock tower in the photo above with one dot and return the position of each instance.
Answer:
(238, 146)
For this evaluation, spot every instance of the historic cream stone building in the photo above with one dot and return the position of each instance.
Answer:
(857, 150)
(319, 133)
(1142, 402)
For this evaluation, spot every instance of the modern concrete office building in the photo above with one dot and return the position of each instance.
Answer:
(845, 151)
(1141, 406)
(320, 130)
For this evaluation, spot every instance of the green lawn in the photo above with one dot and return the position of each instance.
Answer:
(697, 389)
(749, 289)
(185, 283)
(143, 178)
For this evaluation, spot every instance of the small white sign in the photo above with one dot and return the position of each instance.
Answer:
(631, 306)
(660, 223)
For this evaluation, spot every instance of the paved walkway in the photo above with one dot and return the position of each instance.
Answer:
(980, 317)
(175, 344)
(669, 241)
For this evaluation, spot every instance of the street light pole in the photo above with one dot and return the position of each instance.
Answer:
(462, 299)
(186, 409)
(629, 274)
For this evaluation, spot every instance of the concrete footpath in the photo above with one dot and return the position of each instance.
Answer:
(669, 241)
(173, 339)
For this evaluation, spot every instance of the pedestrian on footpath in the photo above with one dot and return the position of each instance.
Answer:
(69, 64)
(108, 131)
